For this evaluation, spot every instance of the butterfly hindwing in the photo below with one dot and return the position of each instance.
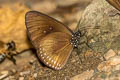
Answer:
(115, 3)
(55, 49)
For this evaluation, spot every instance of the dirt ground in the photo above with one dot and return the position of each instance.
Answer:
(28, 67)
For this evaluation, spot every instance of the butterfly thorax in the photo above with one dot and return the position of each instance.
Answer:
(75, 39)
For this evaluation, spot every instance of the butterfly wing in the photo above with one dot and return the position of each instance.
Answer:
(115, 3)
(50, 37)
(39, 25)
(54, 49)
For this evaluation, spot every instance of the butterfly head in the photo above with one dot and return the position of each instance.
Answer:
(75, 39)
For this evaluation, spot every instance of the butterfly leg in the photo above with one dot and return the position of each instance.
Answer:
(82, 33)
(114, 13)
(87, 40)
(86, 43)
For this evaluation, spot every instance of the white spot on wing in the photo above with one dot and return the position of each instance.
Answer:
(45, 54)
(50, 28)
(49, 59)
(44, 31)
(54, 62)
(41, 52)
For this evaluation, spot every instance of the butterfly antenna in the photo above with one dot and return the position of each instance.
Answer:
(78, 22)
(81, 24)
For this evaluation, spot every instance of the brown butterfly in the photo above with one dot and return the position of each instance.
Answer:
(115, 3)
(52, 39)
(7, 50)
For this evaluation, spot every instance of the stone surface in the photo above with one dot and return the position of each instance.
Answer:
(4, 72)
(102, 28)
(109, 54)
(24, 73)
(21, 78)
(3, 76)
(83, 76)
(114, 60)
(104, 66)
(116, 68)
(109, 64)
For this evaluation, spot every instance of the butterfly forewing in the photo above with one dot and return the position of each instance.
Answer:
(51, 39)
(55, 49)
(115, 3)
(39, 25)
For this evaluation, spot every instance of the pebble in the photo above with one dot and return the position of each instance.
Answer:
(31, 62)
(84, 76)
(118, 53)
(12, 77)
(21, 78)
(24, 73)
(109, 54)
(114, 60)
(4, 72)
(116, 68)
(35, 75)
(104, 66)
(3, 76)
(114, 76)
(107, 65)
(7, 78)
(14, 71)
